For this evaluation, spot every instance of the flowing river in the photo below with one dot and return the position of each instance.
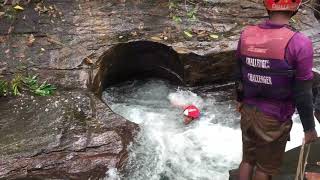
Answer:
(165, 148)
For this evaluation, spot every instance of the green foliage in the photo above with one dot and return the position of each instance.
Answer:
(192, 14)
(16, 84)
(172, 5)
(4, 88)
(43, 89)
(186, 10)
(177, 19)
(30, 83)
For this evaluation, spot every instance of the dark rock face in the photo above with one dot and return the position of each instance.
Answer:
(317, 9)
(145, 59)
(141, 59)
(72, 37)
(208, 69)
(72, 135)
(291, 159)
(290, 162)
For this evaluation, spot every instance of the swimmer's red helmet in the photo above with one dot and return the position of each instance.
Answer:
(191, 111)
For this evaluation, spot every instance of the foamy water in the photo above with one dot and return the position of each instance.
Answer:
(167, 149)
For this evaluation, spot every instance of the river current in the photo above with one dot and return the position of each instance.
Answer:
(165, 148)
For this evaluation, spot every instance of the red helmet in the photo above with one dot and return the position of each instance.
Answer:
(192, 111)
(282, 5)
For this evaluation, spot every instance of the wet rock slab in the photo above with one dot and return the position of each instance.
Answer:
(73, 33)
(71, 135)
(290, 162)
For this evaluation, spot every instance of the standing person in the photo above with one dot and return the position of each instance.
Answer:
(273, 77)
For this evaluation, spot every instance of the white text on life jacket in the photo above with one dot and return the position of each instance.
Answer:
(259, 63)
(259, 79)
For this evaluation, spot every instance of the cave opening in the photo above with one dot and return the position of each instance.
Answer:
(317, 9)
(138, 60)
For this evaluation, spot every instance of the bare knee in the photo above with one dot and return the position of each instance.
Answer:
(245, 172)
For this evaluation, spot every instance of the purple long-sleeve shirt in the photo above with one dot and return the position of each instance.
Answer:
(299, 54)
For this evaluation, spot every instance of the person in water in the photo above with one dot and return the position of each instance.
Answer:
(190, 113)
(273, 77)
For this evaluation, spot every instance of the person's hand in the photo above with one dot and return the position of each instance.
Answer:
(310, 136)
(239, 106)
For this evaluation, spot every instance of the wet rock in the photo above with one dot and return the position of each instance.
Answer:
(71, 135)
(75, 35)
(290, 162)
(291, 159)
(212, 68)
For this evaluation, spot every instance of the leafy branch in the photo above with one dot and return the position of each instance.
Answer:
(16, 85)
(3, 88)
(30, 83)
(43, 89)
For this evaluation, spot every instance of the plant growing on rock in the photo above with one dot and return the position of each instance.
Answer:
(3, 88)
(30, 83)
(43, 89)
(16, 84)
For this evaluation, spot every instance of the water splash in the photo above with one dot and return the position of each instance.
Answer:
(165, 148)
(112, 174)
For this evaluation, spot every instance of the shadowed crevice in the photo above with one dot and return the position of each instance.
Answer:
(146, 59)
(138, 60)
(317, 9)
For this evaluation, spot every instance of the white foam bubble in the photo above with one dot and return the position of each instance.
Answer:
(183, 98)
(112, 174)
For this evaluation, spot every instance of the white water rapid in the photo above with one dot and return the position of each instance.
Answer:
(165, 148)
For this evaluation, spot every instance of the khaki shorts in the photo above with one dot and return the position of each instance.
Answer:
(264, 139)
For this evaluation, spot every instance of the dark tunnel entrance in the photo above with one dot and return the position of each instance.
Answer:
(317, 9)
(138, 60)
